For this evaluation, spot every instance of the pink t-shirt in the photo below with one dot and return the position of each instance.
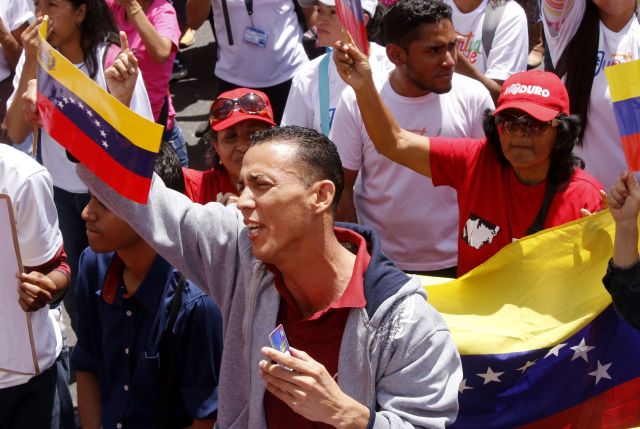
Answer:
(156, 76)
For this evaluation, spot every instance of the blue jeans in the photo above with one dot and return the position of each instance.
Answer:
(69, 206)
(174, 136)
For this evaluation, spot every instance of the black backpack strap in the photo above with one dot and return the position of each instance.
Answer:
(227, 21)
(167, 353)
(164, 112)
(538, 222)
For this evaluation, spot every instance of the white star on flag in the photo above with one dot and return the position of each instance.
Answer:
(463, 386)
(72, 101)
(601, 372)
(581, 350)
(490, 376)
(60, 103)
(65, 99)
(103, 134)
(526, 366)
(97, 123)
(104, 143)
(555, 350)
(89, 113)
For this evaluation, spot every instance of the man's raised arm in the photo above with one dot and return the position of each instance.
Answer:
(392, 141)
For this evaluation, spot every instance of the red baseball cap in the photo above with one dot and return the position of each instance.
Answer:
(261, 109)
(537, 93)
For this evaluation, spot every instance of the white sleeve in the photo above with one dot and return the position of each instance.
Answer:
(37, 220)
(510, 46)
(561, 20)
(346, 132)
(140, 100)
(18, 13)
(16, 78)
(297, 111)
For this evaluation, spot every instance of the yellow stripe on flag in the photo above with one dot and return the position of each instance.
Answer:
(138, 130)
(624, 80)
(533, 294)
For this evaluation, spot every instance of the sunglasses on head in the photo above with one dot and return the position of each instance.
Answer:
(525, 124)
(250, 103)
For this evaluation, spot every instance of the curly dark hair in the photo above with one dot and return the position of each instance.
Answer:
(403, 21)
(96, 28)
(563, 161)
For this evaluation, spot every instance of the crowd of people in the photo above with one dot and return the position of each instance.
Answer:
(336, 174)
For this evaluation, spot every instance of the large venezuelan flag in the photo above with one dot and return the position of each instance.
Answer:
(624, 83)
(541, 346)
(117, 144)
(352, 19)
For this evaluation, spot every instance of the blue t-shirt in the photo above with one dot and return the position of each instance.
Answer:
(119, 340)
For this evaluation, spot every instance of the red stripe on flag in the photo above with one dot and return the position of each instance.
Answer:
(631, 147)
(617, 408)
(87, 151)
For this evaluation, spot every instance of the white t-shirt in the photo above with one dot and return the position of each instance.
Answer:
(601, 151)
(417, 222)
(13, 13)
(245, 64)
(54, 157)
(509, 50)
(303, 104)
(30, 188)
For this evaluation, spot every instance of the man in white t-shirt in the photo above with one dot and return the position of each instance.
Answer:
(259, 45)
(14, 19)
(490, 61)
(304, 105)
(618, 33)
(28, 401)
(417, 222)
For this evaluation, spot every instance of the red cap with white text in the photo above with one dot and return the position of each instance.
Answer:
(539, 94)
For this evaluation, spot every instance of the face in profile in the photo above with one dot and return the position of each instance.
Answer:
(106, 232)
(275, 202)
(430, 60)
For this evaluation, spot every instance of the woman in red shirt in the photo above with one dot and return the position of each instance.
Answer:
(233, 117)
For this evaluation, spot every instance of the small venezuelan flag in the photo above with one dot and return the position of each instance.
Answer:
(352, 19)
(624, 83)
(541, 346)
(117, 144)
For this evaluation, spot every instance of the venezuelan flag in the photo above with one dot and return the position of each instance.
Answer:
(352, 19)
(624, 83)
(117, 144)
(540, 343)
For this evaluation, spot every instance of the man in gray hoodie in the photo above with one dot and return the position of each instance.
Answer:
(376, 355)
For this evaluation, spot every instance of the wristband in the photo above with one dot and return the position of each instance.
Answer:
(133, 12)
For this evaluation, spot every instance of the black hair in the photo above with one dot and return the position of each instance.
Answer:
(168, 167)
(403, 21)
(375, 32)
(578, 64)
(96, 28)
(563, 161)
(318, 155)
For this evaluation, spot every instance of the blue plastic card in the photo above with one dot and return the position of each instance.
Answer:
(255, 37)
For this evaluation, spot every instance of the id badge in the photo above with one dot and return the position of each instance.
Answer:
(255, 37)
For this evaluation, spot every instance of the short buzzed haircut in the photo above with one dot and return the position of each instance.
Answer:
(403, 21)
(316, 153)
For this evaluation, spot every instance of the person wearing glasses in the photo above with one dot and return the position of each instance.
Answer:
(522, 177)
(233, 117)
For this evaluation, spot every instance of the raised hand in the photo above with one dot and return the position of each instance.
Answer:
(122, 75)
(624, 199)
(353, 66)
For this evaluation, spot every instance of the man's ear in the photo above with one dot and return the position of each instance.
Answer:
(396, 54)
(324, 192)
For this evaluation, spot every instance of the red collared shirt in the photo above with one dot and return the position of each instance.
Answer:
(319, 334)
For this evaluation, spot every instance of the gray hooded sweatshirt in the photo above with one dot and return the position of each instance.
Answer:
(396, 356)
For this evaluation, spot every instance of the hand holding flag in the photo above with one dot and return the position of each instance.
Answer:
(352, 19)
(353, 66)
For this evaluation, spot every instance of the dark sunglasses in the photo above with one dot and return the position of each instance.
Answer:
(250, 103)
(525, 124)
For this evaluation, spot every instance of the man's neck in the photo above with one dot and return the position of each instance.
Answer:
(137, 261)
(466, 6)
(318, 276)
(401, 85)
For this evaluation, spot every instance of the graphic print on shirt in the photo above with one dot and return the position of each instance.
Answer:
(477, 232)
(468, 46)
(612, 61)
